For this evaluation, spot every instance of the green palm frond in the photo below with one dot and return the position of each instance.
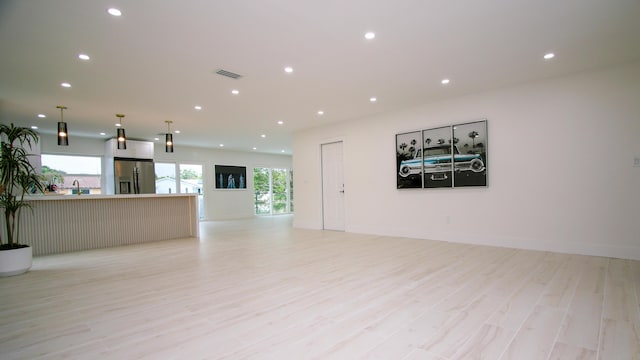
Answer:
(18, 176)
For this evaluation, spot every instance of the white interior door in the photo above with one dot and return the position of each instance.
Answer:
(332, 187)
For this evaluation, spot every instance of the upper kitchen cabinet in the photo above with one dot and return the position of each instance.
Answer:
(135, 149)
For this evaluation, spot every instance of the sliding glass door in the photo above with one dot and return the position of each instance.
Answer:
(273, 191)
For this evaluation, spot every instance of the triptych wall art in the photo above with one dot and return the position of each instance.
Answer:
(424, 158)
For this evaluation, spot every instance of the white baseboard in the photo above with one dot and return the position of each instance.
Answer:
(566, 246)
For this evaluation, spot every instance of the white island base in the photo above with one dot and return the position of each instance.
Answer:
(60, 223)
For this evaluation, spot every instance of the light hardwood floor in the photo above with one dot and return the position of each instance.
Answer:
(258, 289)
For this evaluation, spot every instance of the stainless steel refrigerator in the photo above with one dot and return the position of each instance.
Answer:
(134, 176)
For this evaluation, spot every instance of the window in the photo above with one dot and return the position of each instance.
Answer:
(60, 172)
(291, 190)
(166, 178)
(189, 181)
(262, 186)
(272, 189)
(279, 191)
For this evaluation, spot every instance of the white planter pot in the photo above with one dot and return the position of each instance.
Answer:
(15, 261)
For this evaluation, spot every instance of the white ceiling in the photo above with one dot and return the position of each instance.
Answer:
(157, 61)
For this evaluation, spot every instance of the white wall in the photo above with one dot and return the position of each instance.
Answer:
(77, 145)
(560, 169)
(224, 204)
(218, 204)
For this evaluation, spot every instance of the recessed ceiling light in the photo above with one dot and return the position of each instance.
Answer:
(282, 151)
(221, 145)
(288, 69)
(373, 99)
(445, 81)
(65, 84)
(263, 136)
(84, 57)
(114, 12)
(235, 92)
(118, 124)
(198, 107)
(549, 56)
(255, 148)
(103, 134)
(370, 35)
(280, 122)
(42, 115)
(177, 131)
(34, 127)
(320, 112)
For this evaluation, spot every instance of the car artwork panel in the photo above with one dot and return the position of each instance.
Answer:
(444, 157)
(471, 141)
(437, 157)
(408, 167)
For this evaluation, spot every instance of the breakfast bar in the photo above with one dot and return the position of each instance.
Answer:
(65, 223)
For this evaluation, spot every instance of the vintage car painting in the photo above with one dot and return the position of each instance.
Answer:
(437, 164)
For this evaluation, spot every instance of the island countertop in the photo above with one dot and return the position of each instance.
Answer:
(64, 223)
(100, 196)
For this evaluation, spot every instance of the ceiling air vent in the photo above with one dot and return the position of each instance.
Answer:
(228, 74)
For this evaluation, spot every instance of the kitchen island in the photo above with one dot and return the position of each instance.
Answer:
(64, 223)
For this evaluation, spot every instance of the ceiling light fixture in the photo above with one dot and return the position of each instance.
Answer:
(288, 69)
(445, 81)
(63, 134)
(120, 135)
(114, 12)
(84, 57)
(549, 56)
(235, 92)
(168, 138)
(103, 134)
(65, 84)
(280, 122)
(198, 107)
(320, 112)
(373, 99)
(34, 127)
(263, 136)
(42, 115)
(370, 35)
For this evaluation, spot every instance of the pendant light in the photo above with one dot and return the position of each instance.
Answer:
(63, 134)
(168, 138)
(122, 138)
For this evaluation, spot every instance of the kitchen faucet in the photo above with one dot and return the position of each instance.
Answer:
(76, 183)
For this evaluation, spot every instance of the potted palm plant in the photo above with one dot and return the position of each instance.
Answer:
(18, 177)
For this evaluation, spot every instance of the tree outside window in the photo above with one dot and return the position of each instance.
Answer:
(272, 189)
(262, 186)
